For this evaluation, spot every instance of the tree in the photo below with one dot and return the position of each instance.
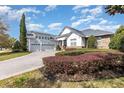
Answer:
(11, 42)
(23, 32)
(3, 27)
(16, 47)
(117, 41)
(91, 42)
(120, 29)
(4, 37)
(114, 9)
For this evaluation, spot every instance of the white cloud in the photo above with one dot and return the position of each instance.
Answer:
(73, 18)
(4, 9)
(105, 27)
(15, 14)
(103, 21)
(75, 8)
(55, 26)
(34, 27)
(93, 15)
(83, 11)
(80, 21)
(95, 11)
(30, 9)
(50, 8)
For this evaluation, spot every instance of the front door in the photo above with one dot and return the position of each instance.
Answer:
(65, 43)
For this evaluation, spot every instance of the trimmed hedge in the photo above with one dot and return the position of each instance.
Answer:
(75, 52)
(70, 49)
(84, 67)
(70, 53)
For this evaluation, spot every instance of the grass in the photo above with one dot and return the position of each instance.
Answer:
(9, 55)
(80, 51)
(35, 79)
(96, 50)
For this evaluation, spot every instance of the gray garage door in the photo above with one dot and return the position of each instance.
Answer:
(43, 47)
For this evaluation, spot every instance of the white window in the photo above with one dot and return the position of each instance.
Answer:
(73, 42)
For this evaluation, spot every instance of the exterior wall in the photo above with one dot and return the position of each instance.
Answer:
(41, 42)
(79, 40)
(66, 30)
(103, 42)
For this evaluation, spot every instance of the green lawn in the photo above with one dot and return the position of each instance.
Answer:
(5, 56)
(96, 50)
(35, 79)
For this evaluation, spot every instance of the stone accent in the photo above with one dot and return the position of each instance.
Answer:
(103, 42)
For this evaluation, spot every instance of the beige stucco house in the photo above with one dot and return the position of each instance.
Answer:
(71, 37)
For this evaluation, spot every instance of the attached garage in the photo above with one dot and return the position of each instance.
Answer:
(42, 47)
(40, 41)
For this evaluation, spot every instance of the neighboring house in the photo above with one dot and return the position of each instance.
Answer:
(38, 41)
(70, 37)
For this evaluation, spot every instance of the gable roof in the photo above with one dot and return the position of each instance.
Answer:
(89, 32)
(85, 33)
(73, 31)
(65, 35)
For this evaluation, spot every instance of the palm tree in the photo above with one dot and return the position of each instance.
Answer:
(114, 9)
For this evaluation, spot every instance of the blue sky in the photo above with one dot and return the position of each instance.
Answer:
(52, 19)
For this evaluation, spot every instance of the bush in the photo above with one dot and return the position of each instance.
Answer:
(77, 52)
(70, 49)
(91, 42)
(58, 48)
(83, 67)
(70, 53)
(16, 47)
(117, 41)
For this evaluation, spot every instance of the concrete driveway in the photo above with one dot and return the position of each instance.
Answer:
(22, 64)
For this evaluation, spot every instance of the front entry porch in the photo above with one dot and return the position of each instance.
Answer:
(62, 43)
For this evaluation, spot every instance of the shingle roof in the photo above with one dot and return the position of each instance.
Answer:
(44, 33)
(65, 35)
(89, 32)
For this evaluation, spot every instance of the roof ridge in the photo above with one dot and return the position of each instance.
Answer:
(40, 32)
(96, 30)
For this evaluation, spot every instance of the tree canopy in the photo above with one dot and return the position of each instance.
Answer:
(114, 9)
(117, 41)
(5, 40)
(23, 32)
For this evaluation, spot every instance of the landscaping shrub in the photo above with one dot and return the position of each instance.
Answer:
(84, 67)
(70, 53)
(16, 47)
(76, 52)
(70, 49)
(117, 41)
(91, 42)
